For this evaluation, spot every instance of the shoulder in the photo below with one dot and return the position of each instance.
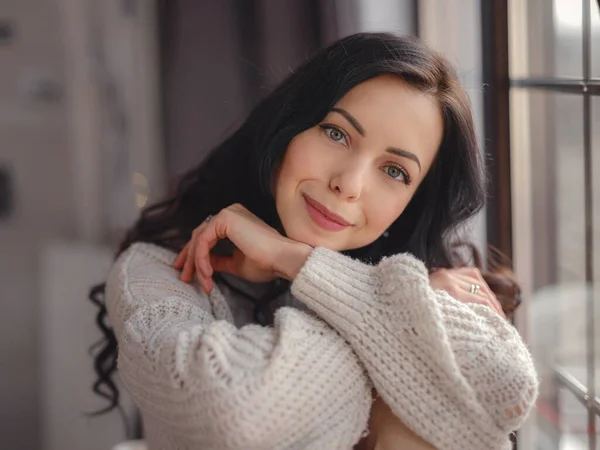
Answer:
(143, 254)
(144, 275)
(142, 259)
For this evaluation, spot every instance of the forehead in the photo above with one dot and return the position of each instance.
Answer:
(394, 114)
(387, 91)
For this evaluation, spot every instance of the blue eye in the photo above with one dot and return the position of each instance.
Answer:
(335, 134)
(397, 173)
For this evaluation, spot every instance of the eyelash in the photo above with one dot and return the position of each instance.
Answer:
(406, 177)
(327, 128)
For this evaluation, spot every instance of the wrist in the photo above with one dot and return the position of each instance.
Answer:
(292, 259)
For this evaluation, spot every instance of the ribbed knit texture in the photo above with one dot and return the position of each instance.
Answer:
(458, 375)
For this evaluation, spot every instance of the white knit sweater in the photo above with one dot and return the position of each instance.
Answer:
(457, 374)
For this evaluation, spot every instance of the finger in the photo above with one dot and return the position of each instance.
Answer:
(468, 277)
(460, 292)
(496, 304)
(225, 264)
(207, 283)
(181, 257)
(469, 271)
(207, 238)
(474, 274)
(457, 282)
(188, 269)
(187, 261)
(202, 255)
(483, 297)
(475, 277)
(472, 279)
(205, 278)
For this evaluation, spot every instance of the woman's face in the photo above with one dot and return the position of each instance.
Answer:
(342, 183)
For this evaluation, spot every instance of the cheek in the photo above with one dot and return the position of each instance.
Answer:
(381, 211)
(303, 160)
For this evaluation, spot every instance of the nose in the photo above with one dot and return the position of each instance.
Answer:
(349, 182)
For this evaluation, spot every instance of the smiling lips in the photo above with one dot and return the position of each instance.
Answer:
(323, 217)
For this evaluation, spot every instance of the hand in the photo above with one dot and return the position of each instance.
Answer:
(458, 282)
(388, 431)
(261, 253)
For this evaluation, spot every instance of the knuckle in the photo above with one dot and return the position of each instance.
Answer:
(443, 274)
(449, 279)
(454, 291)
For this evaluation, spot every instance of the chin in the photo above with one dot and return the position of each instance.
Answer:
(301, 234)
(315, 240)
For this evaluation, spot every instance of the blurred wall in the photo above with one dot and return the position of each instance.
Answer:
(219, 60)
(453, 27)
(202, 86)
(76, 124)
(34, 152)
(114, 133)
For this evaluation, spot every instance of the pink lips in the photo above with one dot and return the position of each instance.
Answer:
(324, 217)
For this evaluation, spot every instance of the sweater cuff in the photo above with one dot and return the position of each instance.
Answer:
(338, 288)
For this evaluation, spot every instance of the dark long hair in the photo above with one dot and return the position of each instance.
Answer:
(240, 169)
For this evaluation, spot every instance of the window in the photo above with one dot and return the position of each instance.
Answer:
(546, 98)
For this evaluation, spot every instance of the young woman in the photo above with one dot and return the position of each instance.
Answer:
(284, 292)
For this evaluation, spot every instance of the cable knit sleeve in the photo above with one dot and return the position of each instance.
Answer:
(210, 385)
(459, 375)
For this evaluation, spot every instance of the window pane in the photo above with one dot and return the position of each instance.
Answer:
(560, 420)
(595, 10)
(548, 34)
(553, 124)
(596, 234)
(557, 314)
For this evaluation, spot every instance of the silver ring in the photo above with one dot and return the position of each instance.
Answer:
(208, 218)
(474, 288)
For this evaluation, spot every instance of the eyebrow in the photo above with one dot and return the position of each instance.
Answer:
(394, 151)
(404, 153)
(350, 118)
